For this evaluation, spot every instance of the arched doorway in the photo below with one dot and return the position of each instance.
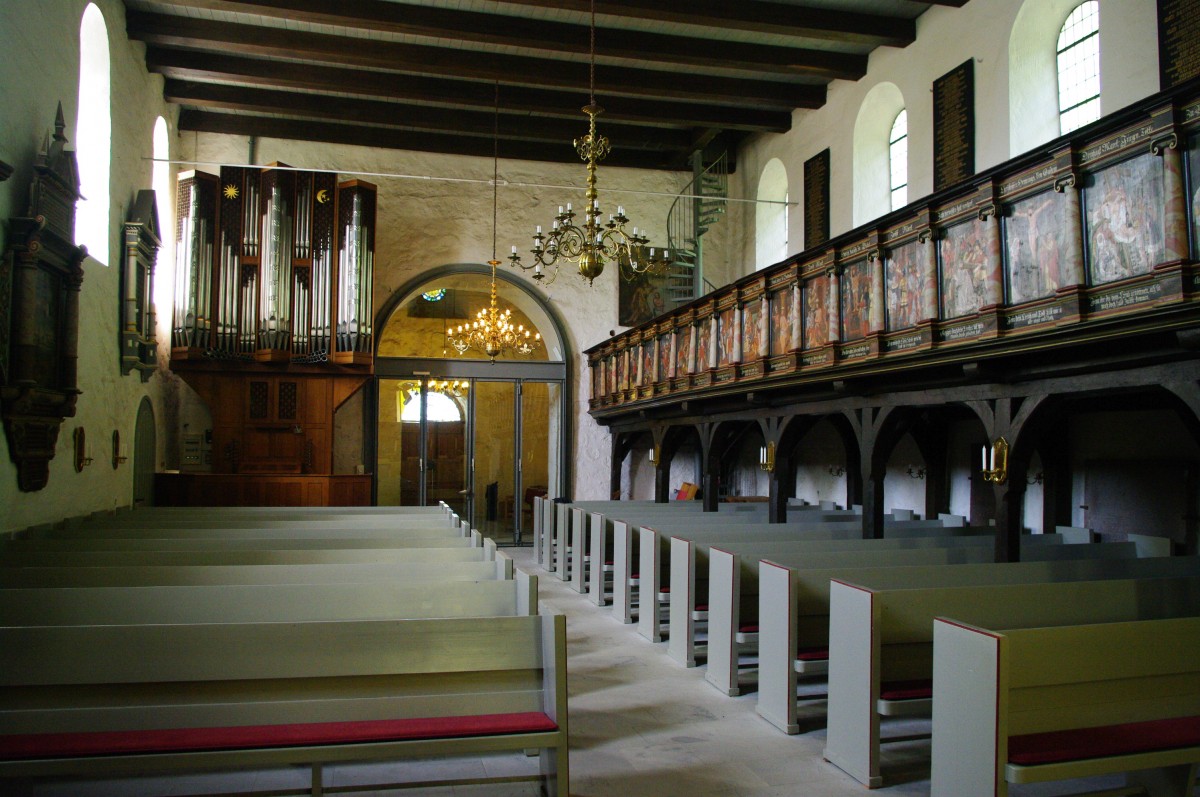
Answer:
(483, 437)
(145, 448)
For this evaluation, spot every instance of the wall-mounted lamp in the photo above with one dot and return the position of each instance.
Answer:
(766, 457)
(916, 472)
(117, 459)
(837, 470)
(82, 460)
(655, 455)
(995, 462)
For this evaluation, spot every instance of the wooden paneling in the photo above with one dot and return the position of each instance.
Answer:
(204, 489)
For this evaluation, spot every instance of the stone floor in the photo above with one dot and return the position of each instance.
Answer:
(640, 726)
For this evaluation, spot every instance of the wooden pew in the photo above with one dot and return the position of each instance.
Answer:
(167, 575)
(170, 699)
(1039, 704)
(794, 610)
(248, 603)
(424, 550)
(881, 637)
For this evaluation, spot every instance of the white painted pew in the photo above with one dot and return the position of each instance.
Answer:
(655, 550)
(732, 595)
(202, 520)
(881, 643)
(249, 603)
(1040, 704)
(269, 556)
(251, 531)
(307, 693)
(166, 575)
(689, 573)
(794, 609)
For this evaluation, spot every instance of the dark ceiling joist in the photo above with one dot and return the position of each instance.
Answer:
(784, 19)
(197, 66)
(167, 30)
(413, 117)
(510, 31)
(385, 138)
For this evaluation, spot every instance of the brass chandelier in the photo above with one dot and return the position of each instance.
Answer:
(493, 332)
(595, 242)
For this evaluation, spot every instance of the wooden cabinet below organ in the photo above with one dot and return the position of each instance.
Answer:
(272, 424)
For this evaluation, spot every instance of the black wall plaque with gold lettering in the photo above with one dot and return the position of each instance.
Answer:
(1178, 41)
(954, 126)
(816, 199)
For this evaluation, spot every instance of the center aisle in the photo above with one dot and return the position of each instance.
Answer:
(643, 726)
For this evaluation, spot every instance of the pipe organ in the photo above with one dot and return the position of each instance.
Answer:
(274, 266)
(272, 326)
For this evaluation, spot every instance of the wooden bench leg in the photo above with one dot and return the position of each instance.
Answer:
(318, 787)
(555, 777)
(1177, 781)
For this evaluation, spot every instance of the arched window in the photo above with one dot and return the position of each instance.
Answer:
(160, 180)
(1079, 67)
(898, 160)
(93, 134)
(873, 158)
(438, 407)
(771, 215)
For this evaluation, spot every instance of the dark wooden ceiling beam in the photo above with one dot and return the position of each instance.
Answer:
(415, 117)
(389, 138)
(198, 66)
(223, 37)
(760, 16)
(542, 35)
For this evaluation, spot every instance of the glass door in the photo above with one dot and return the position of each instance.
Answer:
(541, 441)
(422, 442)
(495, 483)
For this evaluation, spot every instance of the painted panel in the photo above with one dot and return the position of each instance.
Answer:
(683, 347)
(1037, 242)
(1124, 219)
(963, 255)
(702, 344)
(622, 372)
(648, 363)
(1194, 187)
(816, 312)
(725, 336)
(856, 300)
(751, 329)
(903, 273)
(664, 357)
(781, 322)
(641, 298)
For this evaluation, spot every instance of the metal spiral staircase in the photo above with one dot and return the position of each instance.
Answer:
(699, 206)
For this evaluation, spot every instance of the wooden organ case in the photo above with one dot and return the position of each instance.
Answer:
(272, 327)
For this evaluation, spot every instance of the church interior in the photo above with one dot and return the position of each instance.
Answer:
(600, 397)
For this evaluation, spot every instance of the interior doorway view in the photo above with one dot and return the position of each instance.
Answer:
(484, 437)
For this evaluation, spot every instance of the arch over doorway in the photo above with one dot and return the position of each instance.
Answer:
(514, 439)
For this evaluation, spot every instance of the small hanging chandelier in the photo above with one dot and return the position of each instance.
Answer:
(493, 332)
(595, 242)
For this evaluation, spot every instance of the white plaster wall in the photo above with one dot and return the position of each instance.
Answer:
(40, 67)
(900, 489)
(946, 37)
(820, 451)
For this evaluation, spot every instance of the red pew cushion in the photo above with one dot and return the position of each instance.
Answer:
(812, 654)
(1106, 740)
(919, 689)
(54, 745)
(749, 628)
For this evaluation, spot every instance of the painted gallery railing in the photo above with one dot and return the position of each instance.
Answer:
(1093, 227)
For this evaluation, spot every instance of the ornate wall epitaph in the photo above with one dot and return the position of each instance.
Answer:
(1178, 41)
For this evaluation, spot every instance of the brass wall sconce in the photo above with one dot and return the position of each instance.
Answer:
(766, 457)
(655, 455)
(82, 460)
(995, 462)
(916, 472)
(117, 459)
(836, 470)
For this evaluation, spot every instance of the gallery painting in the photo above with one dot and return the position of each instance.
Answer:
(1125, 219)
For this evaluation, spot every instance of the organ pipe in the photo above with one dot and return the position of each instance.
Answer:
(275, 266)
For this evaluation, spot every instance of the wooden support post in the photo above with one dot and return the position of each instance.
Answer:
(662, 482)
(780, 488)
(1010, 500)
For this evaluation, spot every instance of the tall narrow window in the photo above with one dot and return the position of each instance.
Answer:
(898, 160)
(160, 180)
(771, 215)
(1079, 67)
(93, 134)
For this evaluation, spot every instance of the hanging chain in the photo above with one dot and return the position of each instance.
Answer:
(495, 167)
(592, 50)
